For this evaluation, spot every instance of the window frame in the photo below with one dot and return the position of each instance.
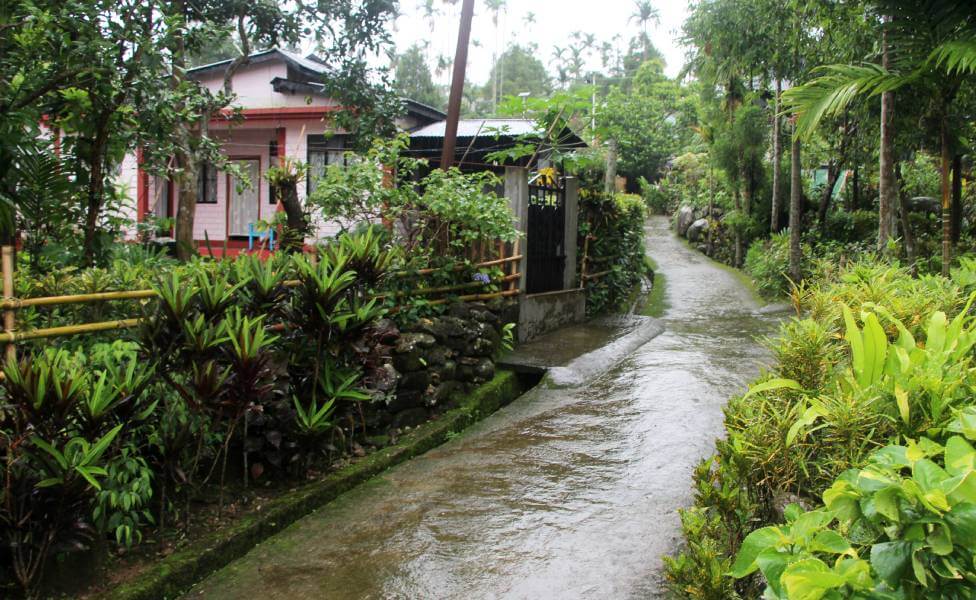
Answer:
(325, 145)
(204, 191)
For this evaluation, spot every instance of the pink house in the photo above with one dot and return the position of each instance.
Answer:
(284, 110)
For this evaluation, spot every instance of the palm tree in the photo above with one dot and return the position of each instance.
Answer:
(496, 7)
(558, 54)
(430, 12)
(644, 14)
(932, 45)
(606, 56)
(589, 41)
(576, 61)
(559, 62)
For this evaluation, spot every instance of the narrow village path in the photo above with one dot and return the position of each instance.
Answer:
(569, 492)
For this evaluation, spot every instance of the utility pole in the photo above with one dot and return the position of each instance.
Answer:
(457, 85)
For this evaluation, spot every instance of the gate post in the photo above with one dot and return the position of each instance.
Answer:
(517, 193)
(571, 199)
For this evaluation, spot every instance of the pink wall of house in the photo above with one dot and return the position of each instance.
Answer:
(252, 85)
(270, 111)
(247, 140)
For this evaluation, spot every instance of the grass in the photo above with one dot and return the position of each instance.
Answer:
(656, 303)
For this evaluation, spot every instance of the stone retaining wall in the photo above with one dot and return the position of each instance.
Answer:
(440, 356)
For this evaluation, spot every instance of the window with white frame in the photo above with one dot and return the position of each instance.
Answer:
(322, 152)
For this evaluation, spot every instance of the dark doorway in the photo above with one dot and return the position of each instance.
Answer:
(546, 239)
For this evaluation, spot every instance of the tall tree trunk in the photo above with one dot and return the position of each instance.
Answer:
(856, 188)
(187, 205)
(887, 189)
(777, 157)
(296, 228)
(796, 213)
(748, 191)
(737, 234)
(711, 209)
(956, 198)
(827, 194)
(96, 185)
(183, 158)
(610, 184)
(187, 161)
(946, 197)
(906, 224)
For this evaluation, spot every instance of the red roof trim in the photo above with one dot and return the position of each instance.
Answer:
(276, 114)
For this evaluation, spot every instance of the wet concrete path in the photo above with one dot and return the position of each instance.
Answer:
(569, 492)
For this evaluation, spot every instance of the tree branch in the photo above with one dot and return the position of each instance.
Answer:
(242, 59)
(51, 84)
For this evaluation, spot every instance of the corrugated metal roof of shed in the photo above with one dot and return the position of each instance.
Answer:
(308, 63)
(469, 128)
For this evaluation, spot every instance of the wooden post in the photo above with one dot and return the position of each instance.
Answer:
(516, 284)
(457, 85)
(586, 257)
(7, 258)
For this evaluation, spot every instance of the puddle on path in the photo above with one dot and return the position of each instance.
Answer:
(569, 492)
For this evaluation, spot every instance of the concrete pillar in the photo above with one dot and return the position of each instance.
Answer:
(571, 187)
(517, 193)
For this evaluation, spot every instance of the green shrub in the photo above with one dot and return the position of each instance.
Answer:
(873, 283)
(67, 418)
(903, 526)
(805, 351)
(921, 177)
(862, 409)
(852, 226)
(768, 263)
(441, 213)
(654, 197)
(615, 229)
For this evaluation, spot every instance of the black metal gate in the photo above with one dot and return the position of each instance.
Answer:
(546, 239)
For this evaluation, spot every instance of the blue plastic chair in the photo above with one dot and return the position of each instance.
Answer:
(253, 234)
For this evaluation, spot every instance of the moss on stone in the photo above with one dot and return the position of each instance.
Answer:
(176, 573)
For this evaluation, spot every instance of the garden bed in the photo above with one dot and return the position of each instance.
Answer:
(147, 577)
(864, 418)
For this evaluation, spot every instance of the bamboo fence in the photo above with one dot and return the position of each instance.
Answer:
(587, 261)
(509, 282)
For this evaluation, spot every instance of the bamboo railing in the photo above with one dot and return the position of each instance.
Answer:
(509, 281)
(587, 261)
(591, 276)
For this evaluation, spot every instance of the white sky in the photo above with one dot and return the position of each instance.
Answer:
(555, 20)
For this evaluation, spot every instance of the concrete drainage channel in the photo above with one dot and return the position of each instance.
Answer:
(176, 573)
(571, 491)
(574, 354)
(430, 526)
(339, 505)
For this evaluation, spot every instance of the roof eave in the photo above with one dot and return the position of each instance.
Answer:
(256, 58)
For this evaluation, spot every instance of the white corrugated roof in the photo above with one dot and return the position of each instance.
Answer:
(304, 62)
(469, 128)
